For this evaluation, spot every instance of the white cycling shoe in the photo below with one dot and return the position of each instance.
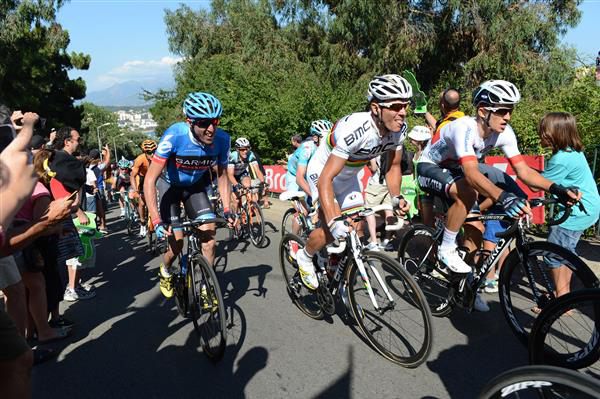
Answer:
(453, 261)
(307, 270)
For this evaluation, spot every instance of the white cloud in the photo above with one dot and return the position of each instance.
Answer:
(139, 70)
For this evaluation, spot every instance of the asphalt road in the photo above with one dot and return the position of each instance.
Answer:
(129, 342)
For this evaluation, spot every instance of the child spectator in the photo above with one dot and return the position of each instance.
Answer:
(568, 167)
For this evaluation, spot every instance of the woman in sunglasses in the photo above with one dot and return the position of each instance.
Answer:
(449, 167)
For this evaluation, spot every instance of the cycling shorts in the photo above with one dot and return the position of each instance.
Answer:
(346, 192)
(125, 183)
(195, 200)
(436, 181)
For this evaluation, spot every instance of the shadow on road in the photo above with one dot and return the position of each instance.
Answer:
(490, 350)
(129, 341)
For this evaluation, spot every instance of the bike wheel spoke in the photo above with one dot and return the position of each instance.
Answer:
(400, 329)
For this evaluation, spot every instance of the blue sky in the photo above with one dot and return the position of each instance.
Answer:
(127, 38)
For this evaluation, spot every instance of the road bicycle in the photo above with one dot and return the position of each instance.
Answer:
(525, 282)
(384, 300)
(198, 294)
(566, 333)
(542, 382)
(296, 212)
(130, 214)
(249, 218)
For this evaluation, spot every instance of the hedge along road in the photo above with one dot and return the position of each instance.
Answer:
(130, 342)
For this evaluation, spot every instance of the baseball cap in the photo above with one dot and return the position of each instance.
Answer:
(420, 133)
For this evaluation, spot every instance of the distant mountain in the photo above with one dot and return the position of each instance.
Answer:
(127, 93)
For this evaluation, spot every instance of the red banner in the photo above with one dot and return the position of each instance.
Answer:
(534, 161)
(275, 178)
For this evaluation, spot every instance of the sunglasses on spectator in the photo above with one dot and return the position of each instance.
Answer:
(396, 107)
(205, 123)
(500, 111)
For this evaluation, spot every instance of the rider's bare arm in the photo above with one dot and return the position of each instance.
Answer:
(530, 177)
(132, 176)
(223, 180)
(259, 175)
(230, 175)
(300, 180)
(154, 170)
(479, 182)
(393, 176)
(332, 168)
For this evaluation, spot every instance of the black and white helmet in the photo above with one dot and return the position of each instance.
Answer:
(496, 92)
(388, 88)
(242, 142)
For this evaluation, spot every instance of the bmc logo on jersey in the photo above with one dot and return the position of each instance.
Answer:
(358, 133)
(381, 148)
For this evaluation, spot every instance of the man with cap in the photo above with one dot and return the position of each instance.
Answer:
(98, 166)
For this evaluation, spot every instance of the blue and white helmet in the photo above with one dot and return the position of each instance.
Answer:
(202, 106)
(320, 127)
(496, 92)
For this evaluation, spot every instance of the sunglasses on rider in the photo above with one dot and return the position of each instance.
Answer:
(205, 123)
(396, 107)
(500, 111)
(243, 149)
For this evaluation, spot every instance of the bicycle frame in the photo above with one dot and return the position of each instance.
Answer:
(353, 245)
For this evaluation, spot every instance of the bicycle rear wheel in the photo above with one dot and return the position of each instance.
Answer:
(418, 254)
(566, 333)
(544, 382)
(256, 224)
(305, 299)
(519, 304)
(207, 308)
(401, 327)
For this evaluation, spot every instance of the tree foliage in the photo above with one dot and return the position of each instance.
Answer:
(98, 121)
(276, 65)
(33, 70)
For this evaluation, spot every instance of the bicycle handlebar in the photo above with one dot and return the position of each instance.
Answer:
(535, 203)
(193, 223)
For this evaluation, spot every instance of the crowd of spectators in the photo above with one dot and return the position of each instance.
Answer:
(44, 183)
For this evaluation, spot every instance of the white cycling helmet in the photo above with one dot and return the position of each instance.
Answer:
(320, 127)
(242, 142)
(420, 133)
(496, 92)
(388, 88)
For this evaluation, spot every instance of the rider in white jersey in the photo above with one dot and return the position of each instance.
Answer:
(353, 141)
(448, 167)
(356, 139)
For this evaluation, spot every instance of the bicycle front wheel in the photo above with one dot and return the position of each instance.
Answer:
(305, 299)
(256, 224)
(544, 382)
(400, 325)
(566, 333)
(418, 254)
(520, 302)
(286, 222)
(207, 309)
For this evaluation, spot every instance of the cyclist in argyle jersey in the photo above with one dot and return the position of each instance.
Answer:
(179, 172)
(298, 163)
(242, 165)
(333, 169)
(448, 167)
